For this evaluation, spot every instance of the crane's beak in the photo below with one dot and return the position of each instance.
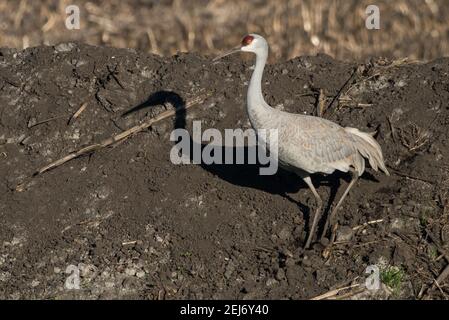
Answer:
(227, 53)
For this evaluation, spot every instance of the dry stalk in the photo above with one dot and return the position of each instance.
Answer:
(114, 139)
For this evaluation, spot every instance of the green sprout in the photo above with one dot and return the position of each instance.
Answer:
(432, 252)
(393, 277)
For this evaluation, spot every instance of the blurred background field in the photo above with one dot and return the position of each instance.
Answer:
(418, 29)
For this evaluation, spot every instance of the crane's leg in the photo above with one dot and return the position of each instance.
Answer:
(319, 206)
(331, 217)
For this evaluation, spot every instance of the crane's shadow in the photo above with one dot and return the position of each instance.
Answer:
(284, 183)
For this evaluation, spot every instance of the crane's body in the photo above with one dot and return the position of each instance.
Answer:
(311, 144)
(308, 144)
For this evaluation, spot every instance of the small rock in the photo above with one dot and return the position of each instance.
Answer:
(229, 270)
(103, 192)
(129, 283)
(286, 252)
(271, 282)
(65, 47)
(280, 275)
(401, 83)
(305, 64)
(130, 271)
(31, 122)
(298, 232)
(397, 224)
(344, 234)
(149, 228)
(290, 262)
(35, 283)
(324, 242)
(15, 139)
(306, 262)
(320, 276)
(56, 270)
(284, 234)
(140, 274)
(4, 276)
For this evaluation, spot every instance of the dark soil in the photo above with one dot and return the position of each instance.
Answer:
(138, 226)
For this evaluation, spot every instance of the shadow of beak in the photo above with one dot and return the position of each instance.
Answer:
(227, 53)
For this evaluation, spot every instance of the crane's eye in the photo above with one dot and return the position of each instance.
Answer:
(247, 40)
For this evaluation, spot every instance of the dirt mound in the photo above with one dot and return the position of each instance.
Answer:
(137, 226)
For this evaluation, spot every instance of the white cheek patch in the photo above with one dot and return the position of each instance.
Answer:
(248, 47)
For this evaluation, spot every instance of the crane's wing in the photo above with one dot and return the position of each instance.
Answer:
(317, 145)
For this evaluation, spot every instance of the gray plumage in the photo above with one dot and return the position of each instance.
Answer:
(308, 144)
(315, 144)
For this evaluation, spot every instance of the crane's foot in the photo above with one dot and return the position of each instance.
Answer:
(328, 248)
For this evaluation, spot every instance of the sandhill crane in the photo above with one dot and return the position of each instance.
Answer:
(308, 144)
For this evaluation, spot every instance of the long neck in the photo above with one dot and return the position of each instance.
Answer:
(255, 96)
(258, 110)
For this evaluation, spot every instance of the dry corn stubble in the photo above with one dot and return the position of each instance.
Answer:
(413, 28)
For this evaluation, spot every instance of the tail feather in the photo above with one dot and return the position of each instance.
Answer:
(368, 148)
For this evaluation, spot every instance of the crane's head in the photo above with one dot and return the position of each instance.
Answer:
(250, 43)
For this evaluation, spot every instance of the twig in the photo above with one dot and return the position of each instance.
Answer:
(367, 224)
(127, 243)
(153, 41)
(321, 103)
(442, 276)
(350, 294)
(363, 105)
(404, 175)
(392, 129)
(438, 245)
(334, 292)
(52, 19)
(45, 121)
(337, 96)
(77, 113)
(368, 243)
(112, 74)
(358, 105)
(421, 292)
(121, 136)
(114, 139)
(436, 283)
(363, 80)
